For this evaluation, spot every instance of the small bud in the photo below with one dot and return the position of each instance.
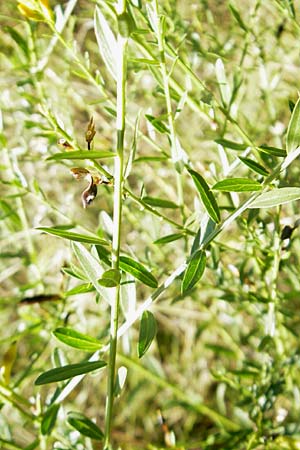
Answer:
(90, 132)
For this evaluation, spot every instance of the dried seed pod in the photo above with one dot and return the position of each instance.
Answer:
(89, 193)
(90, 132)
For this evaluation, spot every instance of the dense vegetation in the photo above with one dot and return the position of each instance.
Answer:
(149, 183)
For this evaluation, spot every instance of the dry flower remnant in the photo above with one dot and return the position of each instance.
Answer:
(89, 194)
(81, 173)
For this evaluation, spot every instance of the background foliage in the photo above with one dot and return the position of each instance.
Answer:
(224, 365)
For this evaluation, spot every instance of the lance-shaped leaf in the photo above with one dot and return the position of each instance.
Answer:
(159, 202)
(49, 419)
(231, 144)
(255, 166)
(68, 371)
(194, 270)
(237, 185)
(74, 339)
(276, 197)
(137, 270)
(148, 329)
(78, 155)
(106, 42)
(85, 426)
(92, 269)
(293, 132)
(169, 238)
(273, 151)
(73, 236)
(206, 196)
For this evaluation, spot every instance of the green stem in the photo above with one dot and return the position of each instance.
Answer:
(174, 146)
(116, 241)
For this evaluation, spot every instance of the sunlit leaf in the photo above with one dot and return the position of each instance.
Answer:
(237, 185)
(106, 42)
(81, 289)
(92, 269)
(293, 132)
(276, 197)
(78, 340)
(78, 155)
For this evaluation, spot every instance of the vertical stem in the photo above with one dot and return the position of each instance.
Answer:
(270, 324)
(165, 77)
(117, 222)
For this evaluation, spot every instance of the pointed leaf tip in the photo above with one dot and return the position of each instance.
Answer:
(206, 196)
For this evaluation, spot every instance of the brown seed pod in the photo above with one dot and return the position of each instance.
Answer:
(90, 132)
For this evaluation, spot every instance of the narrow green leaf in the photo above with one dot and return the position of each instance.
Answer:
(137, 270)
(159, 202)
(92, 269)
(221, 349)
(194, 270)
(74, 339)
(110, 278)
(276, 197)
(206, 196)
(148, 329)
(273, 151)
(82, 154)
(293, 132)
(68, 371)
(81, 289)
(230, 144)
(7, 211)
(150, 158)
(49, 419)
(85, 426)
(106, 42)
(237, 185)
(144, 61)
(133, 147)
(157, 124)
(237, 17)
(20, 41)
(73, 236)
(168, 238)
(255, 166)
